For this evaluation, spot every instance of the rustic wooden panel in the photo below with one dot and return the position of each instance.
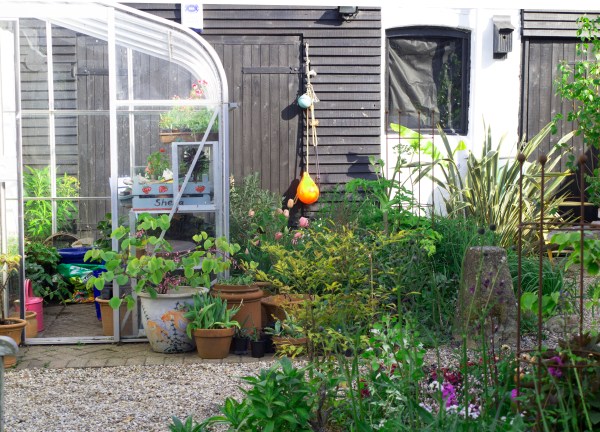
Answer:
(552, 23)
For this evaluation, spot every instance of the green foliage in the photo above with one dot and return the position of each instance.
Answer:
(104, 228)
(385, 201)
(190, 118)
(590, 248)
(156, 163)
(161, 270)
(489, 193)
(189, 426)
(243, 279)
(530, 303)
(323, 261)
(280, 399)
(9, 266)
(569, 389)
(187, 118)
(41, 267)
(38, 213)
(286, 328)
(209, 312)
(255, 216)
(553, 273)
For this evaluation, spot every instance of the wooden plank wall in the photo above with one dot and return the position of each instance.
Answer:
(347, 58)
(547, 23)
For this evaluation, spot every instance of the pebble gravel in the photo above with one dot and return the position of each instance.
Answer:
(118, 399)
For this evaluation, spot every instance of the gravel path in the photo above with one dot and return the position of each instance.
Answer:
(136, 398)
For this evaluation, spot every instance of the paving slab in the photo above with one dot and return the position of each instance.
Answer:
(110, 355)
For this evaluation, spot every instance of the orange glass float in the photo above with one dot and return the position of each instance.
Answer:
(308, 191)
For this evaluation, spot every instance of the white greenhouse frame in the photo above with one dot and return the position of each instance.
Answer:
(119, 26)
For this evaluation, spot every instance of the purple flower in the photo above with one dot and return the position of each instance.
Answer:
(556, 371)
(449, 394)
(514, 393)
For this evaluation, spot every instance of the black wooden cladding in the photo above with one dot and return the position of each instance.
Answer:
(553, 23)
(347, 59)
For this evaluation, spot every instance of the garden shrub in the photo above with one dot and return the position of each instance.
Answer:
(255, 216)
(279, 399)
(41, 267)
(489, 193)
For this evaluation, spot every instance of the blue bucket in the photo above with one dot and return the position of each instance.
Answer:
(72, 255)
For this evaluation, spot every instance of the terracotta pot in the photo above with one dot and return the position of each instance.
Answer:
(249, 297)
(213, 343)
(14, 331)
(31, 330)
(266, 289)
(162, 318)
(107, 318)
(276, 305)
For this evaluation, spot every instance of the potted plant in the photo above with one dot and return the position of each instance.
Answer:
(288, 335)
(12, 327)
(240, 341)
(163, 280)
(211, 324)
(258, 344)
(187, 123)
(240, 291)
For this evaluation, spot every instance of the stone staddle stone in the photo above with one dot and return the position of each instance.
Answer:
(486, 299)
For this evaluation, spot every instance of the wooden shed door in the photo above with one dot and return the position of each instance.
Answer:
(540, 103)
(263, 74)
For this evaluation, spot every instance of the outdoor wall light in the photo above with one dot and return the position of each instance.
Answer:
(347, 12)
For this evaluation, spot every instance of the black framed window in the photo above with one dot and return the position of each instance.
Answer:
(428, 78)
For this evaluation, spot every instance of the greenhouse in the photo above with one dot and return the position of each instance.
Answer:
(109, 108)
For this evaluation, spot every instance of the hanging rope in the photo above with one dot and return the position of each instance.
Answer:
(308, 191)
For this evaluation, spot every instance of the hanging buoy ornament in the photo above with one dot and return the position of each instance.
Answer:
(304, 101)
(308, 191)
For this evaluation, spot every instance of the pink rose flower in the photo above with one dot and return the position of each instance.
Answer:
(286, 213)
(303, 222)
(278, 235)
